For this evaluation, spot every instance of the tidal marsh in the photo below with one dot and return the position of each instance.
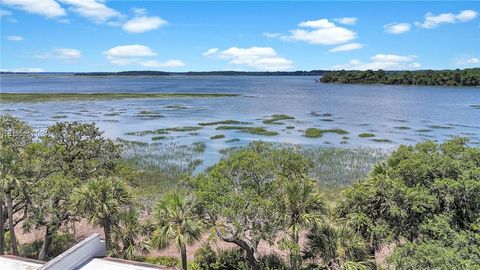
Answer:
(274, 119)
(216, 137)
(366, 135)
(317, 133)
(251, 130)
(44, 97)
(224, 122)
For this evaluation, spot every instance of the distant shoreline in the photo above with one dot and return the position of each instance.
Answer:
(165, 73)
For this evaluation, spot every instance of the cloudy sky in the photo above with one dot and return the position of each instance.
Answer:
(96, 35)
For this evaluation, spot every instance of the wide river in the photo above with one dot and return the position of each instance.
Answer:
(399, 114)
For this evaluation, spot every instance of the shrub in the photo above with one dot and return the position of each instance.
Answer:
(207, 259)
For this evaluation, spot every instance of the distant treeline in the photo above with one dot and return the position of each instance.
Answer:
(465, 77)
(205, 73)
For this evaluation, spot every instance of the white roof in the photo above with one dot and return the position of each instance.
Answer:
(107, 264)
(15, 263)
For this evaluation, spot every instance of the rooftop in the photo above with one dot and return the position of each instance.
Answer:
(89, 254)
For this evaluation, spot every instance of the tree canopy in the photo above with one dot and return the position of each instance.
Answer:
(427, 196)
(465, 77)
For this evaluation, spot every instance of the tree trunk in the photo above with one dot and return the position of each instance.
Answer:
(107, 231)
(252, 261)
(47, 242)
(183, 254)
(294, 256)
(13, 238)
(2, 228)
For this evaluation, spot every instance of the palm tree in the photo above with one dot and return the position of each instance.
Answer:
(101, 201)
(337, 247)
(177, 221)
(127, 236)
(302, 206)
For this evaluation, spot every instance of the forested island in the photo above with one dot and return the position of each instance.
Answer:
(464, 77)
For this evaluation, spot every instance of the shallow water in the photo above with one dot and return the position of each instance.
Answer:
(401, 114)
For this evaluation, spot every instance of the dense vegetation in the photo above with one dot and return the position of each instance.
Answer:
(424, 201)
(465, 77)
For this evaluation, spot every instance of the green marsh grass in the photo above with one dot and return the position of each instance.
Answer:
(163, 131)
(439, 127)
(317, 133)
(366, 135)
(381, 140)
(224, 122)
(160, 166)
(216, 137)
(44, 97)
(251, 130)
(274, 119)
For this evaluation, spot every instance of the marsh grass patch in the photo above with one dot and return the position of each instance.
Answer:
(317, 133)
(250, 130)
(275, 118)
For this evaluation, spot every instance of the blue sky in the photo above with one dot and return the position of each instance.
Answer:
(90, 35)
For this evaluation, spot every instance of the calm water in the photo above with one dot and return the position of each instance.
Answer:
(401, 114)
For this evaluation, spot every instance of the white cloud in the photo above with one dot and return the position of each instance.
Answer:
(393, 58)
(271, 35)
(67, 55)
(91, 9)
(467, 61)
(319, 32)
(322, 23)
(4, 12)
(15, 38)
(259, 58)
(130, 51)
(23, 70)
(136, 55)
(433, 21)
(347, 47)
(397, 28)
(382, 61)
(347, 20)
(142, 23)
(157, 64)
(210, 52)
(47, 8)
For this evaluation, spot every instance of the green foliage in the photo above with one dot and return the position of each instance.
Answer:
(440, 247)
(60, 243)
(166, 261)
(415, 186)
(465, 77)
(273, 261)
(176, 221)
(128, 236)
(101, 201)
(207, 259)
(337, 247)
